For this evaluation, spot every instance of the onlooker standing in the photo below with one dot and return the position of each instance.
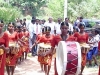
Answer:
(70, 25)
(52, 25)
(80, 21)
(24, 22)
(77, 21)
(31, 32)
(37, 29)
(43, 21)
(58, 31)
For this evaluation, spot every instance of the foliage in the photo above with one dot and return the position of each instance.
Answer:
(76, 8)
(55, 9)
(9, 14)
(33, 6)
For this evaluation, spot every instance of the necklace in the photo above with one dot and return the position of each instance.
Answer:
(64, 37)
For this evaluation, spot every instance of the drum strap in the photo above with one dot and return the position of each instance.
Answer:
(64, 37)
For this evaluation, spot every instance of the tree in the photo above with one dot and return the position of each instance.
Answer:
(55, 8)
(32, 6)
(76, 8)
(8, 13)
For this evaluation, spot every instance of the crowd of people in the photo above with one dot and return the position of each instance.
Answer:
(23, 37)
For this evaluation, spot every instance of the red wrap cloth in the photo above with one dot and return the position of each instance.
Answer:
(4, 40)
(47, 40)
(82, 38)
(11, 58)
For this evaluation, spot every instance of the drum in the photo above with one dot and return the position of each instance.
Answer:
(85, 48)
(1, 51)
(14, 48)
(42, 48)
(25, 38)
(68, 58)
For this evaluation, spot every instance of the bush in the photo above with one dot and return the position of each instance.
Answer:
(9, 14)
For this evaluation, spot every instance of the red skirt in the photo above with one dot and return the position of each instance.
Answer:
(11, 59)
(20, 52)
(45, 60)
(83, 59)
(2, 63)
(40, 59)
(27, 49)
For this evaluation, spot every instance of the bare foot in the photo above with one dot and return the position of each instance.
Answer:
(41, 71)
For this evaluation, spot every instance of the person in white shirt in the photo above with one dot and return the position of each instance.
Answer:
(37, 29)
(58, 31)
(70, 25)
(52, 25)
(30, 29)
(94, 49)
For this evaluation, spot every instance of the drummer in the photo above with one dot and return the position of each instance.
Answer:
(47, 56)
(20, 42)
(92, 53)
(82, 37)
(40, 57)
(4, 43)
(11, 58)
(38, 41)
(64, 36)
(25, 38)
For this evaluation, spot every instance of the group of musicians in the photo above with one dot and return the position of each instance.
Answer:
(14, 44)
(81, 37)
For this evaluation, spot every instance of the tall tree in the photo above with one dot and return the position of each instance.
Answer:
(76, 8)
(33, 6)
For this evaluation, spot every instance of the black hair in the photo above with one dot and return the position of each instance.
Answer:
(63, 23)
(76, 29)
(19, 27)
(96, 31)
(47, 28)
(33, 20)
(70, 32)
(66, 18)
(33, 17)
(1, 21)
(24, 19)
(11, 23)
(43, 20)
(81, 25)
(81, 17)
(43, 29)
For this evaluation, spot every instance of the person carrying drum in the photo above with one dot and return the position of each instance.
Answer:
(20, 42)
(45, 57)
(94, 51)
(37, 41)
(11, 57)
(82, 38)
(25, 38)
(64, 36)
